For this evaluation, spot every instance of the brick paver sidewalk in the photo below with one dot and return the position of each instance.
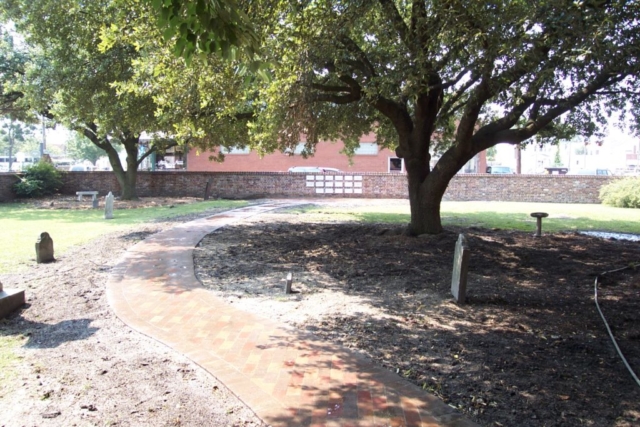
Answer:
(287, 377)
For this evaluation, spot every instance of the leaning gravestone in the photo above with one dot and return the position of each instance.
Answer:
(44, 248)
(207, 190)
(10, 299)
(460, 267)
(108, 206)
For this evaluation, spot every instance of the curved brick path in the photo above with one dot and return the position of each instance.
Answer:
(287, 377)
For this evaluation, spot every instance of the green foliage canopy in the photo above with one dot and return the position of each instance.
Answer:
(206, 26)
(74, 80)
(12, 135)
(81, 148)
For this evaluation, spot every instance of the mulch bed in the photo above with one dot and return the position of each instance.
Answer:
(528, 348)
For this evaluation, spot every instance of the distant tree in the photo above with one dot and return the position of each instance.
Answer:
(491, 153)
(12, 135)
(70, 77)
(557, 160)
(81, 148)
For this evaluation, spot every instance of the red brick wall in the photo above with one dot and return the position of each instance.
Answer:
(520, 188)
(526, 188)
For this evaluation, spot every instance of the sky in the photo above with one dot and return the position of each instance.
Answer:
(611, 155)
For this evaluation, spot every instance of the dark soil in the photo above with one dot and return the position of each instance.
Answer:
(527, 349)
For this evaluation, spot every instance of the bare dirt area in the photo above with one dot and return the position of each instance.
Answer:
(79, 365)
(528, 349)
(72, 202)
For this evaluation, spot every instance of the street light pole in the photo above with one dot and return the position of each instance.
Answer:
(43, 144)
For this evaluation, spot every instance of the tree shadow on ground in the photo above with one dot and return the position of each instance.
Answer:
(527, 349)
(45, 335)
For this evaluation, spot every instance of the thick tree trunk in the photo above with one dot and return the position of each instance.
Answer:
(129, 188)
(427, 187)
(127, 181)
(424, 199)
(126, 178)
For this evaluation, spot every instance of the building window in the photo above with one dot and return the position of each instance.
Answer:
(396, 165)
(366, 149)
(235, 150)
(297, 150)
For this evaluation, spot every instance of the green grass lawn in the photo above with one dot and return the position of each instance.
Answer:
(503, 215)
(22, 224)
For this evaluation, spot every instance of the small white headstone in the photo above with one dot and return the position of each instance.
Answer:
(460, 267)
(287, 286)
(108, 206)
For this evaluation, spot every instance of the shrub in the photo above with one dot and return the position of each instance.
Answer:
(622, 193)
(41, 179)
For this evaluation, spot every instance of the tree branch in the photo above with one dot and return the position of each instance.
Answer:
(396, 20)
(330, 88)
(154, 148)
(447, 107)
(363, 61)
(336, 99)
(618, 92)
(484, 140)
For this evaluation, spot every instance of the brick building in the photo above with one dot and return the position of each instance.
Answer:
(368, 158)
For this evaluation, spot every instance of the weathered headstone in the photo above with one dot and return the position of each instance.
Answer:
(44, 248)
(10, 300)
(108, 206)
(460, 267)
(287, 286)
(207, 189)
(95, 203)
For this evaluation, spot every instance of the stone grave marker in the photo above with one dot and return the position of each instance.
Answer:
(207, 189)
(44, 248)
(95, 203)
(108, 206)
(10, 300)
(460, 267)
(287, 286)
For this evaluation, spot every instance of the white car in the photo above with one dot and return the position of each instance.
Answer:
(80, 168)
(499, 170)
(312, 169)
(601, 172)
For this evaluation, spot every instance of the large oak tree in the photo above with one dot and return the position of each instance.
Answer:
(71, 78)
(455, 76)
(437, 80)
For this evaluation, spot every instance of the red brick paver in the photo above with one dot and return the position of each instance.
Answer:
(286, 376)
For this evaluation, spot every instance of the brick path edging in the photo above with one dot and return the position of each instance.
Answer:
(287, 377)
